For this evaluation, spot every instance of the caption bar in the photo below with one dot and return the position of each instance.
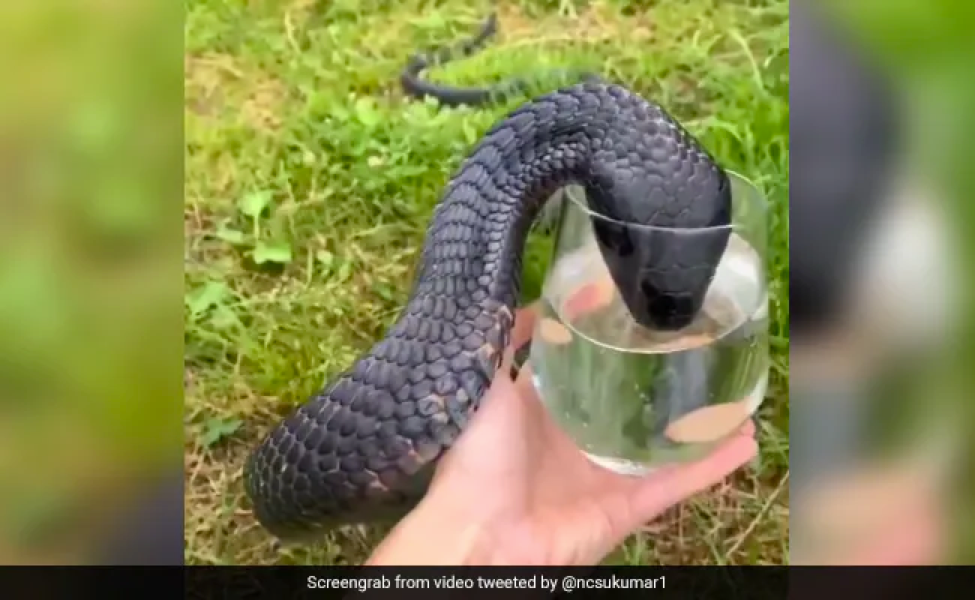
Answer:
(565, 583)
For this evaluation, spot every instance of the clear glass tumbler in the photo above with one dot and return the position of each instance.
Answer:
(632, 398)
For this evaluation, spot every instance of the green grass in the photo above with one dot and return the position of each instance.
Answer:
(310, 181)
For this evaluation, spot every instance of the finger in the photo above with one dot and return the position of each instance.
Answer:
(524, 386)
(662, 490)
(589, 298)
(501, 393)
(520, 339)
(527, 393)
(524, 383)
(525, 319)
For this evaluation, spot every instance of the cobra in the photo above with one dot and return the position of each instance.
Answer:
(365, 446)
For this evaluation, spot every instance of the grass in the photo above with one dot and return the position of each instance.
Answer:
(310, 181)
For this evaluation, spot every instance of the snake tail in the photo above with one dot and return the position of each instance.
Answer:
(417, 87)
(368, 441)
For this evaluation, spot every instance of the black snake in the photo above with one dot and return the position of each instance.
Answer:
(365, 445)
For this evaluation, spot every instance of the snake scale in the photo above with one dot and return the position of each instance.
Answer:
(364, 447)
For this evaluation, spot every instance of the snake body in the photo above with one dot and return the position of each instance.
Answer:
(368, 441)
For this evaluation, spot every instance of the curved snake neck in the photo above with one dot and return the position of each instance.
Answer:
(363, 445)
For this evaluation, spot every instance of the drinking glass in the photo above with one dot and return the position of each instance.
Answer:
(635, 398)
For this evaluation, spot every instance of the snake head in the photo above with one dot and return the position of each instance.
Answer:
(664, 241)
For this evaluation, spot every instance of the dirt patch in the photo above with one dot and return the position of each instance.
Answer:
(263, 106)
(216, 83)
(204, 79)
(597, 22)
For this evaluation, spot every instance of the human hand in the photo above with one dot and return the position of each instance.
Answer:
(515, 489)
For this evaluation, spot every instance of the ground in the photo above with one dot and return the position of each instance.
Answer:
(310, 181)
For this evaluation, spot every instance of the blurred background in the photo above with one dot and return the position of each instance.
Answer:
(880, 303)
(91, 364)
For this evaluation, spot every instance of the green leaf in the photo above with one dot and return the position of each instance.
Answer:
(206, 296)
(274, 252)
(419, 113)
(345, 271)
(385, 291)
(217, 428)
(366, 112)
(254, 203)
(470, 132)
(231, 236)
(326, 258)
(223, 317)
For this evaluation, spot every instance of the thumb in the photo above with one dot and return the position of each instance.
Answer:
(521, 335)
